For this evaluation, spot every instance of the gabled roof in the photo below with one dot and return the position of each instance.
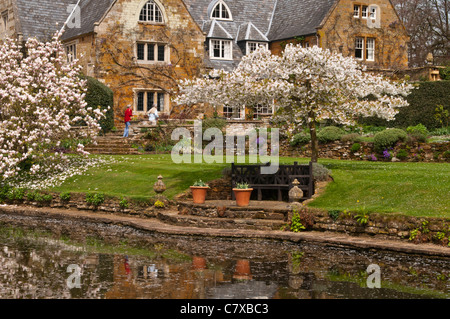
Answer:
(248, 32)
(214, 29)
(42, 19)
(92, 11)
(298, 17)
(258, 12)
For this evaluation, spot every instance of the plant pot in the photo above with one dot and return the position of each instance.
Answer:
(242, 196)
(199, 194)
(242, 271)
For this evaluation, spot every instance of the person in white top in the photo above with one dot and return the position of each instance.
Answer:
(153, 115)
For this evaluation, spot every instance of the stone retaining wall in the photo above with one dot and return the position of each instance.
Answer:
(388, 226)
(427, 152)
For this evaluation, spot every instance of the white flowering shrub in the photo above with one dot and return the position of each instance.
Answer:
(41, 99)
(308, 85)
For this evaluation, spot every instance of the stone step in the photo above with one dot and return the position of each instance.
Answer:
(230, 211)
(174, 218)
(112, 143)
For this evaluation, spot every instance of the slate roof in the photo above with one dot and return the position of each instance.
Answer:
(252, 20)
(298, 17)
(92, 11)
(258, 20)
(43, 18)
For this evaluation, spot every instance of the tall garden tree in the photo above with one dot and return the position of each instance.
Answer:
(41, 99)
(307, 85)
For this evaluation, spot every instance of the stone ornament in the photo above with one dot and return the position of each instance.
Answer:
(295, 193)
(159, 187)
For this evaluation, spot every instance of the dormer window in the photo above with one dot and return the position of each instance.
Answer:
(221, 12)
(252, 46)
(151, 13)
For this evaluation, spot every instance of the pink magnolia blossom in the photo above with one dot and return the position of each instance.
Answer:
(41, 99)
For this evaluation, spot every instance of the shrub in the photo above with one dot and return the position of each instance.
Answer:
(355, 148)
(445, 73)
(296, 224)
(401, 154)
(65, 197)
(352, 137)
(300, 139)
(123, 204)
(15, 194)
(213, 122)
(334, 214)
(100, 96)
(388, 138)
(4, 190)
(320, 172)
(95, 199)
(418, 132)
(330, 134)
(422, 105)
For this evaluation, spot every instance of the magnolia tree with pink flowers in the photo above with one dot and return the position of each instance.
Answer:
(307, 85)
(41, 100)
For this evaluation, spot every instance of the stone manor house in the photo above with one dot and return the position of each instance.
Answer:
(140, 48)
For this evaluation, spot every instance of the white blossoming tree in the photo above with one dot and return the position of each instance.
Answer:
(41, 99)
(307, 85)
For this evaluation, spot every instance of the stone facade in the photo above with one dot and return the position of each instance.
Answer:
(8, 20)
(384, 31)
(110, 54)
(114, 44)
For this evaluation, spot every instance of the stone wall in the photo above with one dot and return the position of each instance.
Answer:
(7, 11)
(428, 152)
(110, 54)
(340, 29)
(386, 226)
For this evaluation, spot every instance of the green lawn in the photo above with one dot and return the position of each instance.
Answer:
(421, 189)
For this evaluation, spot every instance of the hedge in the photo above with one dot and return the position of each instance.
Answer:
(422, 105)
(99, 95)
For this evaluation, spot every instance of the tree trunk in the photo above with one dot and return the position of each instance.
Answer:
(314, 141)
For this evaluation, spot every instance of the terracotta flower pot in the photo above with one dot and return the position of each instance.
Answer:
(242, 196)
(199, 194)
(242, 271)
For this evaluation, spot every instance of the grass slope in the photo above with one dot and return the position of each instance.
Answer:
(420, 189)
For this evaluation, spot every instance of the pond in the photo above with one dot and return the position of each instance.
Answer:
(37, 263)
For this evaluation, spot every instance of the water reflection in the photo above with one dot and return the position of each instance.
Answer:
(34, 267)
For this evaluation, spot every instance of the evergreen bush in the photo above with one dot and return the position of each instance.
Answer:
(330, 134)
(300, 139)
(100, 96)
(418, 132)
(388, 138)
(422, 107)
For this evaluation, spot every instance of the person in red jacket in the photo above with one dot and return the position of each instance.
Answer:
(127, 119)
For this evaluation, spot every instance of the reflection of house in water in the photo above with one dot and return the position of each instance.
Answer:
(162, 279)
